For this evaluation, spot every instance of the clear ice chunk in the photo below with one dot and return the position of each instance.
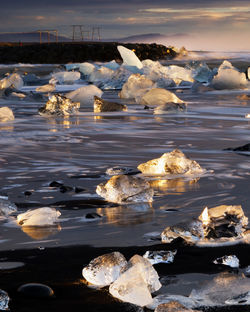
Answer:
(105, 269)
(135, 84)
(85, 95)
(65, 77)
(229, 77)
(125, 189)
(116, 80)
(13, 80)
(86, 68)
(129, 58)
(39, 217)
(230, 260)
(101, 75)
(60, 106)
(4, 300)
(6, 207)
(174, 162)
(157, 97)
(160, 256)
(6, 114)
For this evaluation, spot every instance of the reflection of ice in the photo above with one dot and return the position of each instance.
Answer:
(41, 232)
(165, 298)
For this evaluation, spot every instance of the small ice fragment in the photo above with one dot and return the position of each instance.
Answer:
(157, 97)
(170, 108)
(242, 299)
(101, 105)
(247, 269)
(229, 77)
(174, 162)
(129, 58)
(46, 88)
(166, 298)
(4, 300)
(117, 170)
(173, 306)
(6, 207)
(39, 217)
(125, 189)
(85, 95)
(136, 84)
(231, 261)
(247, 115)
(105, 269)
(6, 114)
(160, 256)
(60, 106)
(65, 77)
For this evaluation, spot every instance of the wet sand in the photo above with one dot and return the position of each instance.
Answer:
(60, 268)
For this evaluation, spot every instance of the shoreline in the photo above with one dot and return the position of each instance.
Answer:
(61, 267)
(77, 52)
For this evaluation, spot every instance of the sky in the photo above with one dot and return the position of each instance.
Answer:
(198, 25)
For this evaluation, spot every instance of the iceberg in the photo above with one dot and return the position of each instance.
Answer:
(231, 261)
(85, 95)
(39, 217)
(129, 58)
(101, 105)
(157, 97)
(65, 77)
(60, 106)
(6, 206)
(136, 283)
(174, 162)
(135, 84)
(13, 80)
(229, 77)
(105, 269)
(6, 114)
(111, 65)
(125, 189)
(160, 256)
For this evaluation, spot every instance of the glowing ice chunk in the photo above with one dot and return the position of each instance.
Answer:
(158, 96)
(65, 77)
(6, 114)
(39, 217)
(129, 58)
(101, 105)
(46, 88)
(125, 189)
(85, 95)
(105, 269)
(174, 162)
(13, 80)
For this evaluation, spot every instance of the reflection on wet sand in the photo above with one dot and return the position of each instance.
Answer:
(125, 118)
(41, 232)
(65, 122)
(9, 128)
(177, 186)
(128, 214)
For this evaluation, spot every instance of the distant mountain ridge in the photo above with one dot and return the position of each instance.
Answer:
(31, 37)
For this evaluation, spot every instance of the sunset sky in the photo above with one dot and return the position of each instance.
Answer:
(203, 25)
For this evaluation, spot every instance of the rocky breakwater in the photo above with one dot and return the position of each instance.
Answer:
(79, 52)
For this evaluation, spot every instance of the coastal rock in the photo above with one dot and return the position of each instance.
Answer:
(101, 105)
(135, 83)
(229, 77)
(129, 58)
(173, 306)
(39, 217)
(85, 95)
(12, 80)
(160, 256)
(157, 97)
(243, 148)
(231, 261)
(65, 77)
(125, 189)
(223, 221)
(36, 290)
(170, 108)
(60, 106)
(136, 283)
(6, 207)
(174, 162)
(4, 300)
(191, 232)
(6, 114)
(105, 269)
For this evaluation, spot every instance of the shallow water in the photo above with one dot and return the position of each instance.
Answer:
(76, 151)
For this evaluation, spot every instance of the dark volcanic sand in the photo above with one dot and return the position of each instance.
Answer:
(61, 268)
